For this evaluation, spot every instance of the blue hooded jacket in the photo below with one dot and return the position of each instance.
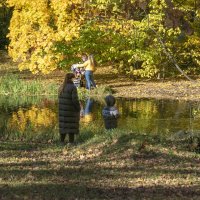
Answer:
(110, 116)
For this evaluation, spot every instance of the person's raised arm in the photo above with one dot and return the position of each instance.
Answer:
(83, 64)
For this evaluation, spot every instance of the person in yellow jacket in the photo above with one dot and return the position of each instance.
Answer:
(89, 65)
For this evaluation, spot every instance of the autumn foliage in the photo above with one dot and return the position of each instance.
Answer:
(50, 34)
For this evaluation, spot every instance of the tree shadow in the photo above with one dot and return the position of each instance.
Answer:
(52, 175)
(83, 191)
(18, 146)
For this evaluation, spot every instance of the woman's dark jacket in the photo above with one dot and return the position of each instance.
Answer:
(110, 116)
(69, 110)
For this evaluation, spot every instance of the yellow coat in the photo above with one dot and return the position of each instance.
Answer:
(87, 65)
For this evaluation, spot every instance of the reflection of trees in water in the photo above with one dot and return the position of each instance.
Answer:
(137, 108)
(137, 115)
(34, 117)
(195, 111)
(143, 109)
(156, 116)
(141, 115)
(145, 115)
(178, 115)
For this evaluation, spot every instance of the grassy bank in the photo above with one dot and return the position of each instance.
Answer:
(12, 85)
(107, 165)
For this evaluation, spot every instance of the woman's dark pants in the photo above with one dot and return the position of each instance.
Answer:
(71, 137)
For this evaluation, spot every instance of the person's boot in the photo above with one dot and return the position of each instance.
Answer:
(62, 138)
(71, 138)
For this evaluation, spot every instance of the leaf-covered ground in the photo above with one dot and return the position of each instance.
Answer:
(168, 89)
(118, 167)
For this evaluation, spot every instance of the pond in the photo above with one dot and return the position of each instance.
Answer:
(35, 118)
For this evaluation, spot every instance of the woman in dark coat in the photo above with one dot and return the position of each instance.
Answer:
(69, 109)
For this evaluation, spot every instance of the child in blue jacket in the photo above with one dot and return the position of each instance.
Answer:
(110, 113)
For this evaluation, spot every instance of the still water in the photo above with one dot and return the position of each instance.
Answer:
(36, 118)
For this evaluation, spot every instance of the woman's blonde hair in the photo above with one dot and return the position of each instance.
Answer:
(92, 60)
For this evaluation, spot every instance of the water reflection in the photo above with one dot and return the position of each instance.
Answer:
(158, 116)
(30, 118)
(88, 115)
(39, 117)
(34, 117)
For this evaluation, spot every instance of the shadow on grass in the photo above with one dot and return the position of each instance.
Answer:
(141, 166)
(84, 191)
(52, 175)
(84, 137)
(21, 146)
